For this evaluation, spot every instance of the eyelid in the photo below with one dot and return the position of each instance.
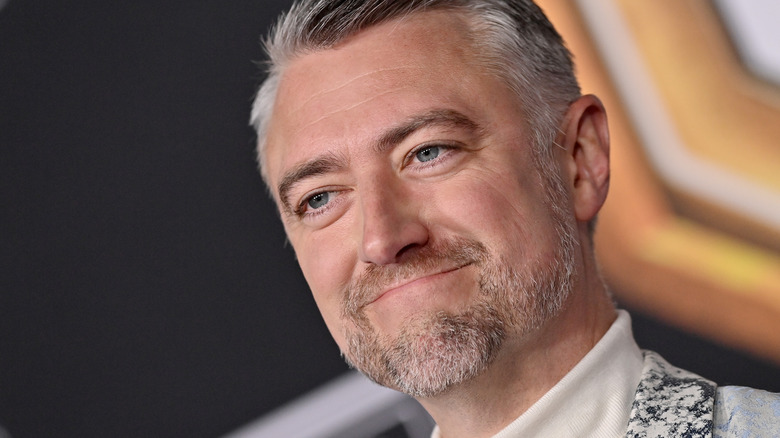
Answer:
(300, 210)
(301, 206)
(447, 146)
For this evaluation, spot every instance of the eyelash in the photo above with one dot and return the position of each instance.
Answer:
(447, 149)
(301, 210)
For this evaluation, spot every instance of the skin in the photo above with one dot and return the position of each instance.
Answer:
(341, 109)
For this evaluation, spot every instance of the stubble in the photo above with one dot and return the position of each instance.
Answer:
(433, 352)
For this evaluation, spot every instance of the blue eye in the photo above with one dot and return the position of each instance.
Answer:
(319, 200)
(428, 153)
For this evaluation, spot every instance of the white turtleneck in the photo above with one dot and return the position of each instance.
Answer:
(594, 399)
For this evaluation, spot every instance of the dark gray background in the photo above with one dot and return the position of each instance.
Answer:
(146, 289)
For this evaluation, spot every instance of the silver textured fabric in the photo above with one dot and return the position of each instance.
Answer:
(671, 402)
(746, 412)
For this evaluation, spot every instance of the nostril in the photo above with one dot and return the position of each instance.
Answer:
(408, 249)
(386, 245)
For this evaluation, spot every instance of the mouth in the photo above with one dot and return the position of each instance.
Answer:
(415, 281)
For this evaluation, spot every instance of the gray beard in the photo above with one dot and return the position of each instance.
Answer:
(434, 352)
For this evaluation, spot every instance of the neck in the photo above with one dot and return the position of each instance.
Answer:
(524, 370)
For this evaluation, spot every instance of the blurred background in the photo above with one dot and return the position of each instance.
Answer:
(146, 287)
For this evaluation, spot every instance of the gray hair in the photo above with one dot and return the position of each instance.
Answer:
(513, 40)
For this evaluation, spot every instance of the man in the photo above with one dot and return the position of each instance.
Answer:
(439, 174)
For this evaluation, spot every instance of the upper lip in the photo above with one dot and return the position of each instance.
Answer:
(404, 281)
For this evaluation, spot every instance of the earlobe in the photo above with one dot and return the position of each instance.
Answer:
(587, 148)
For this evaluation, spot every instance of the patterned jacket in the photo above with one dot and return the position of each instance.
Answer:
(671, 402)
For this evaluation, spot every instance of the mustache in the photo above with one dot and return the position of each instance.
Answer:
(451, 253)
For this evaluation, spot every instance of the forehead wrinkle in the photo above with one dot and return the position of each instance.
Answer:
(348, 82)
(354, 105)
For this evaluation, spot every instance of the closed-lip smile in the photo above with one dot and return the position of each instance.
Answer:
(409, 281)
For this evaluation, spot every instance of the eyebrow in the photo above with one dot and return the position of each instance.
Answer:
(444, 117)
(330, 162)
(326, 163)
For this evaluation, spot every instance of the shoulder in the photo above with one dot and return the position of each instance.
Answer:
(674, 402)
(670, 401)
(741, 411)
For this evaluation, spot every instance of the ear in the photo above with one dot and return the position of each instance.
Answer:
(586, 144)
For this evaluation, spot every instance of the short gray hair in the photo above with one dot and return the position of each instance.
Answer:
(513, 38)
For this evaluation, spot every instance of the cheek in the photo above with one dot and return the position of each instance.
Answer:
(507, 215)
(493, 209)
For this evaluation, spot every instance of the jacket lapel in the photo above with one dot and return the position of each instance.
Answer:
(670, 402)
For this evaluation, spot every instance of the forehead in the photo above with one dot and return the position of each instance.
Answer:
(369, 81)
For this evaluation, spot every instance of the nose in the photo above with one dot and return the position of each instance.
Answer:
(392, 225)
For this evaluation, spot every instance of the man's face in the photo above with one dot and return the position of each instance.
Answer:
(406, 184)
